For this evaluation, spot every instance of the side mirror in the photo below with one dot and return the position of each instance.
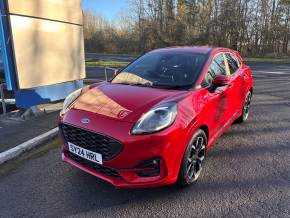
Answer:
(117, 71)
(220, 80)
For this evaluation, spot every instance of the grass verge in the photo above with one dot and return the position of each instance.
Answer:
(112, 54)
(101, 63)
(116, 64)
(268, 60)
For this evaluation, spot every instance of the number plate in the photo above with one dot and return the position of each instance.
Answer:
(86, 154)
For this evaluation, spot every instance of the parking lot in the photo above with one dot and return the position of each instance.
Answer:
(247, 172)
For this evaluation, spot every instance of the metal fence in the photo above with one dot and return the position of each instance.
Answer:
(2, 86)
(106, 72)
(99, 74)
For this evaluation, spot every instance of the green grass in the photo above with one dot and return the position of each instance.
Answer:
(268, 60)
(116, 64)
(102, 63)
(112, 54)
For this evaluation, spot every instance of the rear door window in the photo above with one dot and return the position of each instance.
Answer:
(217, 67)
(234, 64)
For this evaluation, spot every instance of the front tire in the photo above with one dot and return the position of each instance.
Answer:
(246, 108)
(193, 157)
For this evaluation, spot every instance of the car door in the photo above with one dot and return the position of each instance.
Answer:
(217, 98)
(238, 85)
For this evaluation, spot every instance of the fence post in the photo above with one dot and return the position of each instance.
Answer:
(2, 97)
(106, 76)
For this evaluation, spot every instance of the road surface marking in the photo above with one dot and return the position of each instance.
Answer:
(270, 72)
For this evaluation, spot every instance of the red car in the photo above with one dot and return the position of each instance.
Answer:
(154, 122)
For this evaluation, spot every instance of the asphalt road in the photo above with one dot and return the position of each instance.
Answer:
(98, 73)
(246, 174)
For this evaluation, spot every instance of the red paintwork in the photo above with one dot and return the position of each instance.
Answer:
(123, 105)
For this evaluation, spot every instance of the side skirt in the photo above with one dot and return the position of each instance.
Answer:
(223, 129)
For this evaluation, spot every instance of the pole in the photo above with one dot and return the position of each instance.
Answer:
(106, 76)
(2, 97)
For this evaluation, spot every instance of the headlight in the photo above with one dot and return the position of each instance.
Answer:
(70, 99)
(156, 119)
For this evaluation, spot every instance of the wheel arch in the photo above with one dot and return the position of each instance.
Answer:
(205, 129)
(194, 127)
(201, 130)
(251, 90)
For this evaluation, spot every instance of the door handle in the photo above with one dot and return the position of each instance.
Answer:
(220, 90)
(204, 97)
(245, 77)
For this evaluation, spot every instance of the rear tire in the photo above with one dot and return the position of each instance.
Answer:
(194, 155)
(246, 108)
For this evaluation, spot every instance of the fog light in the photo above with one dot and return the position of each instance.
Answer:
(149, 168)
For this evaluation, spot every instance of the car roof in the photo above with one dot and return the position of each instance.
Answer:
(193, 49)
(190, 49)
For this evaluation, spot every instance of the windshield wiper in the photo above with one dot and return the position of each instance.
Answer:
(167, 86)
(136, 84)
(162, 86)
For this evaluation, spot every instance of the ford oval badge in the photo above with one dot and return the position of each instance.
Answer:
(85, 120)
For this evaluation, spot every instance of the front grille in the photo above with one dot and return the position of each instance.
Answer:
(92, 141)
(99, 168)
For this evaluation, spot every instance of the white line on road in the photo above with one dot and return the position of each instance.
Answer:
(270, 72)
(25, 146)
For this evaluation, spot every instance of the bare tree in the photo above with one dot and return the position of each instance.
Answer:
(254, 27)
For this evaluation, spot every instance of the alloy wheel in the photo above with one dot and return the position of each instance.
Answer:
(194, 159)
(247, 106)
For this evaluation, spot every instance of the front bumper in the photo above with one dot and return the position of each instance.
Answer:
(164, 146)
(127, 177)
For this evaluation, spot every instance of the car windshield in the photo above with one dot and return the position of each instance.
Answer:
(163, 70)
